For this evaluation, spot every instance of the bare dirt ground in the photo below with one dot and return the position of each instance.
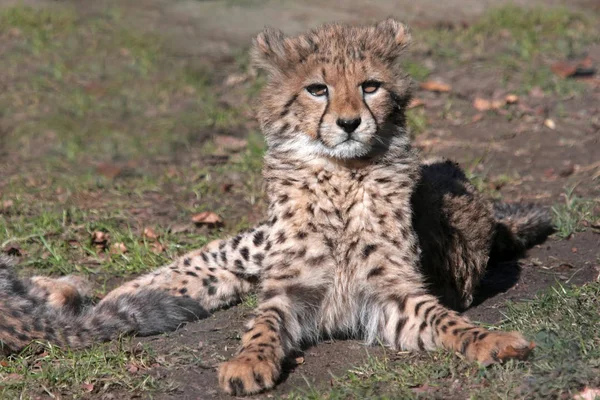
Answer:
(544, 148)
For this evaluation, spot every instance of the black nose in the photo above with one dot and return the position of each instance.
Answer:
(349, 125)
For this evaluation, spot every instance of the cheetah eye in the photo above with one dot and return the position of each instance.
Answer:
(370, 86)
(317, 89)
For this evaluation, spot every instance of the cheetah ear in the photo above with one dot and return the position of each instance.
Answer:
(269, 50)
(395, 30)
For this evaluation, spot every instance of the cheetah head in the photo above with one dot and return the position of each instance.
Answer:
(335, 92)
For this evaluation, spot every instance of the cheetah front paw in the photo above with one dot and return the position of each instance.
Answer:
(246, 374)
(497, 347)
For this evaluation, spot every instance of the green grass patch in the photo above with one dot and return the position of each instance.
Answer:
(87, 90)
(62, 243)
(416, 70)
(486, 183)
(519, 43)
(43, 370)
(527, 30)
(250, 301)
(416, 119)
(575, 214)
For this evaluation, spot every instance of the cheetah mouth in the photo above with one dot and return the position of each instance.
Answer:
(348, 141)
(349, 148)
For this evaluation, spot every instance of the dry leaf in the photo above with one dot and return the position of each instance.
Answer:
(588, 394)
(157, 248)
(230, 143)
(150, 233)
(416, 102)
(511, 99)
(548, 123)
(207, 218)
(99, 237)
(118, 248)
(574, 68)
(486, 105)
(100, 240)
(550, 173)
(236, 79)
(481, 104)
(132, 369)
(13, 377)
(435, 86)
(564, 69)
(568, 170)
(13, 250)
(477, 117)
(88, 387)
(425, 388)
(108, 170)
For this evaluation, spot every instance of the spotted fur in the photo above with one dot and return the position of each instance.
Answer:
(54, 310)
(362, 238)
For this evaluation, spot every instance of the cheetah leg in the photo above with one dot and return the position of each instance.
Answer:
(286, 317)
(420, 322)
(216, 276)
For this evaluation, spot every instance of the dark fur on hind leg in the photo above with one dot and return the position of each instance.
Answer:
(144, 313)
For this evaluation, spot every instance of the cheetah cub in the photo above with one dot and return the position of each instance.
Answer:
(362, 239)
(344, 257)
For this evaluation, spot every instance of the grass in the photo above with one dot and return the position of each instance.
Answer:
(416, 120)
(527, 31)
(563, 322)
(61, 243)
(484, 181)
(520, 44)
(575, 214)
(85, 92)
(416, 70)
(48, 371)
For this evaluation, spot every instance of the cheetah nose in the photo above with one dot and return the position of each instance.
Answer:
(348, 125)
